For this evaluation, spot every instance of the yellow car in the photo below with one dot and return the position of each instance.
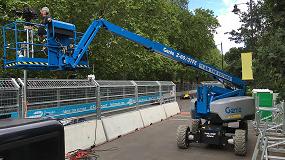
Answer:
(185, 95)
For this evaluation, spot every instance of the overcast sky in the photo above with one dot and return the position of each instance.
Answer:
(228, 20)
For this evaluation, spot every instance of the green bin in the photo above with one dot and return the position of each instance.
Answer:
(264, 101)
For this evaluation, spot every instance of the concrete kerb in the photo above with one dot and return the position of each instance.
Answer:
(152, 115)
(121, 124)
(82, 135)
(171, 109)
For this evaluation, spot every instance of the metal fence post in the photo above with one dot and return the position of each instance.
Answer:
(25, 94)
(18, 98)
(58, 97)
(256, 148)
(264, 151)
(160, 93)
(98, 100)
(86, 94)
(257, 112)
(136, 94)
(22, 98)
(174, 91)
(19, 104)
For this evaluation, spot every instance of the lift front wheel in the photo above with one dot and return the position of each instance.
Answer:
(182, 136)
(240, 143)
(244, 126)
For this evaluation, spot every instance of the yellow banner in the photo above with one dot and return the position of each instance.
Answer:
(246, 63)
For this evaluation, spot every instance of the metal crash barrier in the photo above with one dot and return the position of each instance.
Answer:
(9, 98)
(66, 98)
(271, 134)
(60, 98)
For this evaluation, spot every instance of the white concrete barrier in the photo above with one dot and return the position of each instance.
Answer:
(171, 109)
(82, 135)
(121, 124)
(152, 115)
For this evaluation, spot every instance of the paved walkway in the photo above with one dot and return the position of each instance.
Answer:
(158, 142)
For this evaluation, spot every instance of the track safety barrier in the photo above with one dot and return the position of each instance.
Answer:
(152, 115)
(171, 109)
(121, 124)
(108, 109)
(84, 135)
(68, 98)
(10, 94)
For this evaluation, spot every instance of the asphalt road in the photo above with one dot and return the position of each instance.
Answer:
(158, 142)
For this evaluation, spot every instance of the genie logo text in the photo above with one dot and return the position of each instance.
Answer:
(231, 110)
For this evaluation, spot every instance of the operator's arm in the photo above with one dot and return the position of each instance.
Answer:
(46, 19)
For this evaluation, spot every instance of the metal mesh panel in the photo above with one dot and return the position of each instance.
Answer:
(71, 96)
(41, 98)
(168, 91)
(116, 95)
(270, 132)
(113, 93)
(60, 93)
(60, 83)
(105, 83)
(9, 94)
(148, 92)
(7, 85)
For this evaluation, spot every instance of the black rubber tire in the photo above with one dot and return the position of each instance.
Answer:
(195, 125)
(244, 126)
(240, 143)
(193, 113)
(182, 136)
(193, 110)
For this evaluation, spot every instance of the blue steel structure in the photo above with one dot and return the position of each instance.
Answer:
(65, 50)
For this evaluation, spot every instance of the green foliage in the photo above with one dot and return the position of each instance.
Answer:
(233, 61)
(166, 21)
(267, 43)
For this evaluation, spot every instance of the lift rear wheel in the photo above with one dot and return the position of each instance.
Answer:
(240, 142)
(182, 136)
(195, 125)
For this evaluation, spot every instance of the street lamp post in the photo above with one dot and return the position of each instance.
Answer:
(222, 52)
(222, 55)
(236, 10)
(251, 23)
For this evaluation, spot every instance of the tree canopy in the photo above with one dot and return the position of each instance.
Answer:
(263, 32)
(166, 21)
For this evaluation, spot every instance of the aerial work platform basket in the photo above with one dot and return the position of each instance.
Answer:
(34, 46)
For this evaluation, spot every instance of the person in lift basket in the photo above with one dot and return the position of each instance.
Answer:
(46, 18)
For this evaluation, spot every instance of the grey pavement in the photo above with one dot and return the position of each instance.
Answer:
(158, 142)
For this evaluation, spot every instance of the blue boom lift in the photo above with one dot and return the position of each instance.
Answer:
(65, 49)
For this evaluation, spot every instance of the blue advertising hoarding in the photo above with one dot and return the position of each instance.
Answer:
(85, 109)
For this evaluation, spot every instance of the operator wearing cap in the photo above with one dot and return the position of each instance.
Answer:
(46, 18)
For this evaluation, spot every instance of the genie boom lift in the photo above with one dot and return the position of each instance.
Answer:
(65, 49)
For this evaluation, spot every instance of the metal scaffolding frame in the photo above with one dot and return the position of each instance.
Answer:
(271, 133)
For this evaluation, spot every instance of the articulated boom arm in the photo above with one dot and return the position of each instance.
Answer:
(152, 46)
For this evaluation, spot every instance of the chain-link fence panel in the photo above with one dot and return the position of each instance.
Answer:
(9, 98)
